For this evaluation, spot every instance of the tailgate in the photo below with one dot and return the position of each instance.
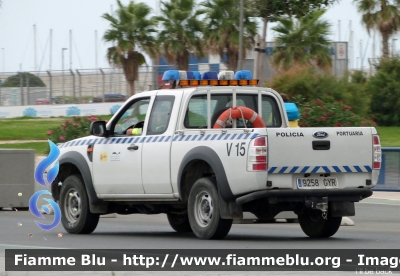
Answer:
(344, 154)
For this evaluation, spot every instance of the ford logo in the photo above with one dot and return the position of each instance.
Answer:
(320, 134)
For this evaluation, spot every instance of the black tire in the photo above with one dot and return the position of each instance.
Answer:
(74, 204)
(315, 226)
(180, 223)
(206, 222)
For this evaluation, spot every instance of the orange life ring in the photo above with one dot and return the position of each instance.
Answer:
(237, 113)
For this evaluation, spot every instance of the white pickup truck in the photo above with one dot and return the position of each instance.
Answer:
(196, 160)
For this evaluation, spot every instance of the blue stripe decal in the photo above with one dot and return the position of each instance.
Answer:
(88, 142)
(227, 136)
(326, 169)
(358, 169)
(169, 137)
(215, 135)
(143, 139)
(118, 140)
(347, 168)
(148, 140)
(162, 138)
(240, 136)
(194, 137)
(315, 169)
(137, 140)
(175, 138)
(254, 136)
(368, 168)
(201, 137)
(73, 142)
(336, 168)
(79, 141)
(156, 139)
(95, 140)
(233, 136)
(130, 140)
(123, 141)
(208, 136)
(294, 169)
(222, 135)
(283, 170)
(113, 140)
(305, 169)
(187, 139)
(182, 137)
(271, 170)
(247, 136)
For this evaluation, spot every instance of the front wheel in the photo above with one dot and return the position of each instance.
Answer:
(203, 211)
(74, 204)
(315, 226)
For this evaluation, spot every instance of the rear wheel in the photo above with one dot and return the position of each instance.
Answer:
(203, 210)
(180, 223)
(74, 204)
(315, 226)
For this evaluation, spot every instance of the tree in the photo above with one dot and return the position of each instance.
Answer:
(222, 29)
(303, 42)
(271, 10)
(385, 89)
(131, 30)
(15, 81)
(382, 15)
(181, 32)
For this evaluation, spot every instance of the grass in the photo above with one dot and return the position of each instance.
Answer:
(389, 136)
(36, 129)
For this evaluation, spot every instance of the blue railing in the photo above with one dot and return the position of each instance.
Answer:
(389, 177)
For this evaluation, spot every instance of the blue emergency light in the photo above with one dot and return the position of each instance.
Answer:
(209, 75)
(171, 75)
(243, 75)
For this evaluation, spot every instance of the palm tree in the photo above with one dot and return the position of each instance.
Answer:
(303, 41)
(131, 30)
(181, 32)
(222, 29)
(382, 15)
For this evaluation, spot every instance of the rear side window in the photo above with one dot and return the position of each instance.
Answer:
(196, 114)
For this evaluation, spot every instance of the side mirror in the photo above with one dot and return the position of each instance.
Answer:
(98, 128)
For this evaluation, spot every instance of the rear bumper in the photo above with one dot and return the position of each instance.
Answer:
(353, 194)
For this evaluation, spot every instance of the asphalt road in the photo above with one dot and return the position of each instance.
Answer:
(377, 226)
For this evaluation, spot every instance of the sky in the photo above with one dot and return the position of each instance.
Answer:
(83, 18)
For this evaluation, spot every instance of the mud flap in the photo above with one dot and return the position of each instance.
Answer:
(229, 210)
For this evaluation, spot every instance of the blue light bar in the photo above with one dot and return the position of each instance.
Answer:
(171, 75)
(243, 75)
(210, 75)
(197, 75)
(190, 75)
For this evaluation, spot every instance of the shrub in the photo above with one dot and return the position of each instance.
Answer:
(309, 84)
(385, 89)
(327, 112)
(71, 129)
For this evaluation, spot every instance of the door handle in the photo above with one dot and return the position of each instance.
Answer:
(133, 147)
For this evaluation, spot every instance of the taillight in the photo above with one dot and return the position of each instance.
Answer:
(377, 152)
(257, 159)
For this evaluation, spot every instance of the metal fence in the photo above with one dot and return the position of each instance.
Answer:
(389, 177)
(73, 86)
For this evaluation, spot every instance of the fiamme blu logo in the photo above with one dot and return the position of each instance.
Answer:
(50, 165)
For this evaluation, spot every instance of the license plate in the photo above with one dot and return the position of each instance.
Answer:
(317, 183)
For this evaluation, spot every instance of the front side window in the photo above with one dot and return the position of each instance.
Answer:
(133, 117)
(160, 115)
